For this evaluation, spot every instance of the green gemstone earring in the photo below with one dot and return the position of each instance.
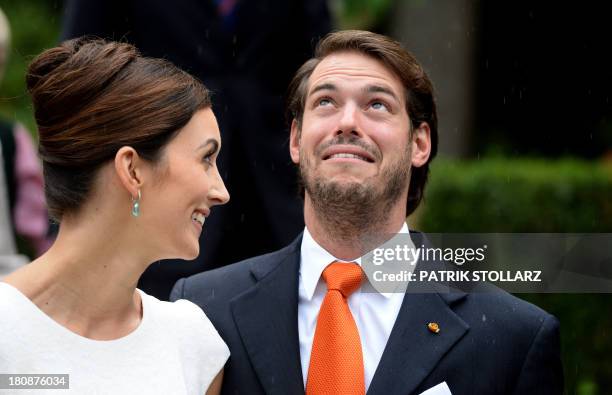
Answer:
(136, 205)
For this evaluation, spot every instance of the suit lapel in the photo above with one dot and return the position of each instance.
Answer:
(413, 350)
(266, 317)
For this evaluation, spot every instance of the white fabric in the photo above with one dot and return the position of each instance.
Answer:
(374, 313)
(174, 350)
(440, 389)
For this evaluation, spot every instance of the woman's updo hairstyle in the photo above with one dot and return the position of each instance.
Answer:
(91, 97)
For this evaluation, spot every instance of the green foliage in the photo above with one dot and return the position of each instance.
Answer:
(34, 26)
(497, 195)
(528, 195)
(360, 14)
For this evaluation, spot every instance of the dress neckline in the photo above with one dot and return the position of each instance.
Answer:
(44, 320)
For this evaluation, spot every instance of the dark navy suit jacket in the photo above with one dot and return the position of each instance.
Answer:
(489, 343)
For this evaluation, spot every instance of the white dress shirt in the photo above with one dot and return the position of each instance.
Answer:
(374, 313)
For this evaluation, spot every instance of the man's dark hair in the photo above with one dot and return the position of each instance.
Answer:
(420, 103)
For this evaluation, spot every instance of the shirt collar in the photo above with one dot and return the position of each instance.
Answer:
(318, 259)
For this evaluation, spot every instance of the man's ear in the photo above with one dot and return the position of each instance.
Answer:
(294, 142)
(128, 166)
(421, 144)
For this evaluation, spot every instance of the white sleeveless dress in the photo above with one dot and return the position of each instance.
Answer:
(174, 350)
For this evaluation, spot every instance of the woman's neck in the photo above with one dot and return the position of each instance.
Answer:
(87, 280)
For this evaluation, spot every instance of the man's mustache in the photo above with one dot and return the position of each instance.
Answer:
(350, 140)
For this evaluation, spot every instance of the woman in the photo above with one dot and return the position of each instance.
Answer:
(128, 146)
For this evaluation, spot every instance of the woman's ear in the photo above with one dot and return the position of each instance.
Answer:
(128, 166)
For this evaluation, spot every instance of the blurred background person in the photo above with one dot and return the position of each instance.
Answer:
(23, 211)
(245, 52)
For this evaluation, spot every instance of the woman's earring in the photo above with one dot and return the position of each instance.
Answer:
(136, 205)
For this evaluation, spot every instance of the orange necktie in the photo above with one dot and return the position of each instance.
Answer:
(336, 360)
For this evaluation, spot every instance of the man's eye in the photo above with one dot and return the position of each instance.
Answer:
(377, 105)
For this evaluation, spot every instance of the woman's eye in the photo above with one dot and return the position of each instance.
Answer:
(324, 102)
(208, 159)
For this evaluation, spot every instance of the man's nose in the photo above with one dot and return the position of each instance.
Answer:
(349, 120)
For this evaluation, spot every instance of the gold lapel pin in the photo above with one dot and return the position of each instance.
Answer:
(433, 327)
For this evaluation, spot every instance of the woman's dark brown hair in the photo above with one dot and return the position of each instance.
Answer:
(92, 97)
(420, 103)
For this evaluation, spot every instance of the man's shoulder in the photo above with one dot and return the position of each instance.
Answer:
(517, 341)
(500, 312)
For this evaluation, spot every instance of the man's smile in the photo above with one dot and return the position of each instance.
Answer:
(347, 152)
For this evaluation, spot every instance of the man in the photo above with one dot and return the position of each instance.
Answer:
(364, 131)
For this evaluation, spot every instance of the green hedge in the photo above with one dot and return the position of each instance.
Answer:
(497, 195)
(528, 195)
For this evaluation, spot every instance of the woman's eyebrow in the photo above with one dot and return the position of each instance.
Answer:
(212, 141)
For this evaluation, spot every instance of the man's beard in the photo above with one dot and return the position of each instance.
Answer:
(357, 209)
